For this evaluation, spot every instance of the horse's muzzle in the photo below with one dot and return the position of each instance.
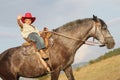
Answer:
(110, 43)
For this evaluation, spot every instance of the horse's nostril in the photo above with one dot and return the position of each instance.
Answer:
(110, 45)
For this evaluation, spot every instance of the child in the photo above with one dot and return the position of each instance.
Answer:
(30, 33)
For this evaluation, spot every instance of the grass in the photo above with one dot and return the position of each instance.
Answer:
(108, 69)
(109, 54)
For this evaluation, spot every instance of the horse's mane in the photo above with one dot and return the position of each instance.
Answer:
(69, 26)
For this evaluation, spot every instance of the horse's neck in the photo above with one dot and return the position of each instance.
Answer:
(82, 34)
(64, 48)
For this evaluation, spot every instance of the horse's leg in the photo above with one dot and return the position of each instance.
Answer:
(9, 77)
(69, 73)
(2, 77)
(55, 74)
(18, 78)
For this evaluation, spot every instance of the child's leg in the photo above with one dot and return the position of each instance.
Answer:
(38, 40)
(44, 63)
(39, 44)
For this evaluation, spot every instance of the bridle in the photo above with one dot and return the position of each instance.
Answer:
(96, 25)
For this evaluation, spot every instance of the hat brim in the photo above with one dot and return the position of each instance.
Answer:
(32, 18)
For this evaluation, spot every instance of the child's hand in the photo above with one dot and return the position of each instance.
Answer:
(19, 17)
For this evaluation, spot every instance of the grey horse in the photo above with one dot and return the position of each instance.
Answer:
(22, 61)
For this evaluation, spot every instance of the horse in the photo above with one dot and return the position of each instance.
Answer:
(22, 61)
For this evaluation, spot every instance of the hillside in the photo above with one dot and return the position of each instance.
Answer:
(108, 69)
(105, 69)
(106, 55)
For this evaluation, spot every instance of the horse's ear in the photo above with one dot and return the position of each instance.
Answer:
(95, 18)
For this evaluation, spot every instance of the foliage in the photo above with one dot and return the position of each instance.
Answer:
(106, 55)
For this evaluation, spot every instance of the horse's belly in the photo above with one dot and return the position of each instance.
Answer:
(31, 67)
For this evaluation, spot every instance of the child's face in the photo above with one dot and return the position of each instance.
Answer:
(28, 21)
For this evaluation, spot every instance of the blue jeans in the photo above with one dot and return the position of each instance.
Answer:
(37, 39)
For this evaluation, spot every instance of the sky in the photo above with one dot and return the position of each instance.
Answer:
(55, 13)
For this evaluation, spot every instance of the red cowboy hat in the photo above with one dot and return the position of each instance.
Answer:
(28, 16)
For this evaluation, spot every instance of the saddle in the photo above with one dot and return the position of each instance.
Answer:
(46, 37)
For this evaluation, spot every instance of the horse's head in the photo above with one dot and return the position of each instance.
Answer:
(101, 33)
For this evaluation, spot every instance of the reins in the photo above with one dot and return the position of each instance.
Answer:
(92, 43)
(85, 42)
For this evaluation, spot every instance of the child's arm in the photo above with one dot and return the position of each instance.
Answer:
(19, 21)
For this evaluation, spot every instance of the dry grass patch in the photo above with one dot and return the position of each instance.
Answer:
(108, 69)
